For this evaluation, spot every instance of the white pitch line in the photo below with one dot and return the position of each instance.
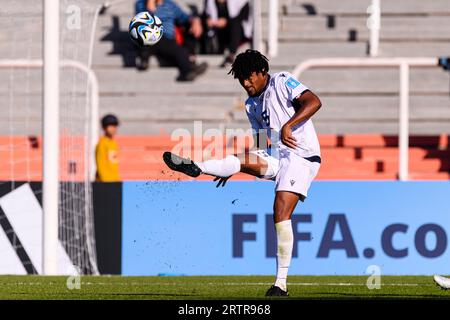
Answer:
(306, 284)
(316, 284)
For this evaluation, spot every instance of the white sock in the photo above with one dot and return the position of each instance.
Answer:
(285, 240)
(221, 168)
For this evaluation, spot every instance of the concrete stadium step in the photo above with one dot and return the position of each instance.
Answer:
(28, 82)
(349, 146)
(350, 157)
(355, 107)
(372, 127)
(159, 75)
(429, 176)
(393, 28)
(387, 154)
(128, 7)
(431, 143)
(150, 160)
(324, 80)
(290, 53)
(354, 7)
(366, 108)
(350, 107)
(135, 126)
(330, 127)
(166, 108)
(424, 166)
(414, 49)
(438, 24)
(356, 176)
(106, 57)
(144, 127)
(161, 82)
(440, 141)
(375, 80)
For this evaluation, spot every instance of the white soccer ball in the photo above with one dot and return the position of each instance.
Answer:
(145, 29)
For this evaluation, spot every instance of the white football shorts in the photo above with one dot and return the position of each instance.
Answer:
(290, 172)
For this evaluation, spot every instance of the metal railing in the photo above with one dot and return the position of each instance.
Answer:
(273, 28)
(374, 25)
(404, 65)
(272, 37)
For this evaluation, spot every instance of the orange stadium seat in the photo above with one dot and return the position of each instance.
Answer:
(345, 157)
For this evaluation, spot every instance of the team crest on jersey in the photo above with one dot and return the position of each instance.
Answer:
(292, 83)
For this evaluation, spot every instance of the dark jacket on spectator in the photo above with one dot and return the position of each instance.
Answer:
(169, 13)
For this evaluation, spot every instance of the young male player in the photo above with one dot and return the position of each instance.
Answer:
(282, 107)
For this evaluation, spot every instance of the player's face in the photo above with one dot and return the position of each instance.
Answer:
(254, 84)
(111, 130)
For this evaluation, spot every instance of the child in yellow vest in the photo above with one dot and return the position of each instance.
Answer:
(106, 153)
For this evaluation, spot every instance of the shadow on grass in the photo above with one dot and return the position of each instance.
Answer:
(384, 296)
(80, 295)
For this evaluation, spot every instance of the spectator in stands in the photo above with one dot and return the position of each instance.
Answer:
(229, 20)
(168, 48)
(106, 153)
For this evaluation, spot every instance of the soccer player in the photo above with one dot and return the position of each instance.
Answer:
(280, 107)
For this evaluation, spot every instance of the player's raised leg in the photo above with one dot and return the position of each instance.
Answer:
(249, 163)
(284, 205)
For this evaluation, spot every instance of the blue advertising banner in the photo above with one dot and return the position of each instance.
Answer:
(194, 228)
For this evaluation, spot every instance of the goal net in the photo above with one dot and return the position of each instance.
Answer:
(21, 22)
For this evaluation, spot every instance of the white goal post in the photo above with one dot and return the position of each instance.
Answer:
(50, 132)
(404, 65)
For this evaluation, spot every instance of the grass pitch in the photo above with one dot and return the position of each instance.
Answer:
(201, 288)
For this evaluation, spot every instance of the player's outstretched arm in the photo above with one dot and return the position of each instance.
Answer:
(309, 104)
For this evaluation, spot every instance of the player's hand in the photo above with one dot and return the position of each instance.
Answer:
(221, 180)
(287, 138)
(196, 27)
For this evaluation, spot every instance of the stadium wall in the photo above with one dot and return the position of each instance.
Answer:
(193, 228)
(343, 228)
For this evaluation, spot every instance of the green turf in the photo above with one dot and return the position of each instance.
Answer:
(246, 287)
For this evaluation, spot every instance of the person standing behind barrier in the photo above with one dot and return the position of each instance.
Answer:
(231, 21)
(106, 153)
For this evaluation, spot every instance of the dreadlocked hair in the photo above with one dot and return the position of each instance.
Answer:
(248, 62)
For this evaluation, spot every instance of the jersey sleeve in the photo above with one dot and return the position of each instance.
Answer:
(291, 86)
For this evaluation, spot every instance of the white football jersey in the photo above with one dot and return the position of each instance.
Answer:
(273, 108)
